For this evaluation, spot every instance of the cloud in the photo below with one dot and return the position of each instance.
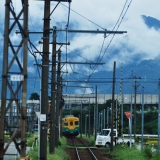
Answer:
(1, 40)
(140, 42)
(31, 69)
(83, 90)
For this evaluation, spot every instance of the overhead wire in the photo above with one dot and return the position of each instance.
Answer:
(84, 17)
(116, 28)
(100, 59)
(33, 47)
(67, 25)
(53, 9)
(119, 17)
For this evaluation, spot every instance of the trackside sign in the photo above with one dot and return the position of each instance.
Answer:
(128, 114)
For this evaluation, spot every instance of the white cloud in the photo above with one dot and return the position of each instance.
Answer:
(139, 38)
(138, 41)
(1, 39)
(31, 69)
(83, 90)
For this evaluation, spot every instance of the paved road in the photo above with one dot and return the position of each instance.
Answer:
(12, 153)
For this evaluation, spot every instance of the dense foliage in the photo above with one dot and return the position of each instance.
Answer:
(34, 96)
(150, 116)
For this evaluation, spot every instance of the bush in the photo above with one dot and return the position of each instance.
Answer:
(148, 152)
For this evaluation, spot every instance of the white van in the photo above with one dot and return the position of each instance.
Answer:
(104, 137)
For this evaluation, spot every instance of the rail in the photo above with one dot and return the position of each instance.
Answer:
(88, 148)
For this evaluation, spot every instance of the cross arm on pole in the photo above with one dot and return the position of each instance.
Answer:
(93, 31)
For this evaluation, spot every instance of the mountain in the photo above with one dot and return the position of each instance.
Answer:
(146, 70)
(147, 76)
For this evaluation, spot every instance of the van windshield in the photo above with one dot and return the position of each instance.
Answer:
(104, 132)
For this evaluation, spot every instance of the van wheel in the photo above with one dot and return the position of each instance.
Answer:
(107, 145)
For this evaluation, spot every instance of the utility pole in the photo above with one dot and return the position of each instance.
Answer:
(44, 84)
(81, 121)
(142, 140)
(53, 95)
(122, 101)
(113, 91)
(131, 120)
(135, 92)
(96, 114)
(89, 119)
(57, 134)
(10, 58)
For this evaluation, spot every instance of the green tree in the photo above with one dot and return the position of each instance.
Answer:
(34, 96)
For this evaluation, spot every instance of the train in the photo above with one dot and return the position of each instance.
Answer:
(70, 126)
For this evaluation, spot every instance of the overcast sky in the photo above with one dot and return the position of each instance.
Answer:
(100, 14)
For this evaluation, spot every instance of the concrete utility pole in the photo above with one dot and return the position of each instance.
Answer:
(10, 58)
(113, 91)
(135, 92)
(81, 121)
(122, 101)
(142, 131)
(96, 114)
(53, 95)
(44, 84)
(89, 120)
(57, 134)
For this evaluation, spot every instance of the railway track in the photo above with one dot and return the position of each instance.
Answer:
(89, 155)
(80, 150)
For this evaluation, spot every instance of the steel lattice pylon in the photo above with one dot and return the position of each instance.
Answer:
(14, 73)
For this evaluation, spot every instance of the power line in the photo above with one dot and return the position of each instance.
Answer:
(99, 59)
(85, 17)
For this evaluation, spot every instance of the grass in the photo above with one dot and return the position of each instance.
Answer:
(90, 139)
(59, 154)
(119, 152)
(126, 153)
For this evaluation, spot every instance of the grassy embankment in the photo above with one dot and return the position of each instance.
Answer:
(119, 152)
(59, 151)
(133, 153)
(127, 153)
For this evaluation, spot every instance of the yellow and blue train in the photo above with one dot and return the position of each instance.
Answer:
(70, 126)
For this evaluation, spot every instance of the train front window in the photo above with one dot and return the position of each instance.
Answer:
(76, 123)
(71, 123)
(66, 123)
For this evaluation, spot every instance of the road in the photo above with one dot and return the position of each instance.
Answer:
(12, 153)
